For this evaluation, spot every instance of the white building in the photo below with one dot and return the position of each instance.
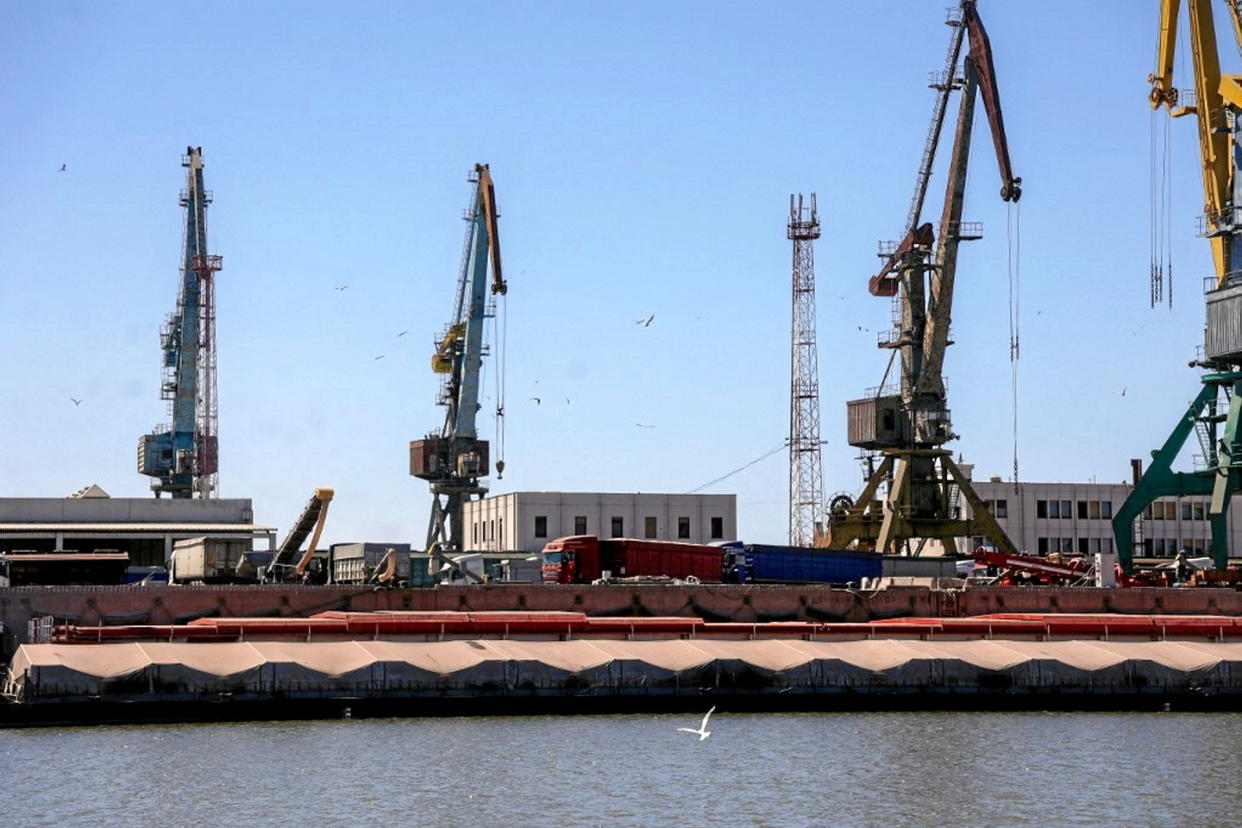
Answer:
(1077, 518)
(525, 521)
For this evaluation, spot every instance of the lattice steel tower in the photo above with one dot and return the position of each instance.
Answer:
(806, 476)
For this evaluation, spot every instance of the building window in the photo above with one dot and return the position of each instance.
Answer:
(1065, 509)
(492, 531)
(1067, 545)
(1157, 511)
(618, 527)
(1198, 511)
(1093, 509)
(1106, 545)
(1082, 510)
(474, 531)
(649, 527)
(1083, 543)
(541, 526)
(1185, 511)
(501, 536)
(1042, 545)
(1041, 508)
(1106, 509)
(580, 525)
(1002, 509)
(683, 528)
(717, 528)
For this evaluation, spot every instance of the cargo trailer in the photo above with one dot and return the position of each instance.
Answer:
(206, 560)
(360, 563)
(762, 563)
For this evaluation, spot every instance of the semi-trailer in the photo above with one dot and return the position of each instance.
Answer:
(754, 563)
(578, 559)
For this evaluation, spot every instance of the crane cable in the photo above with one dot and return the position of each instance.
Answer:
(1161, 218)
(1013, 234)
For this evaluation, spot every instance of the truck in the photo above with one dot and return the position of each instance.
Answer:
(754, 563)
(579, 559)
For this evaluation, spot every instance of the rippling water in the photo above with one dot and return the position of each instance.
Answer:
(788, 769)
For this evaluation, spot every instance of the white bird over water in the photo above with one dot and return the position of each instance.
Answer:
(702, 732)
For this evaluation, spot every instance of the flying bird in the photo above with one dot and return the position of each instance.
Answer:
(1122, 392)
(702, 731)
(403, 333)
(64, 167)
(76, 403)
(644, 425)
(644, 322)
(537, 401)
(381, 356)
(341, 287)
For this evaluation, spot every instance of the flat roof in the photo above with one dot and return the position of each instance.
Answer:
(134, 527)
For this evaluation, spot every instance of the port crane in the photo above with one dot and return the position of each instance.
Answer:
(183, 456)
(1215, 413)
(454, 459)
(909, 425)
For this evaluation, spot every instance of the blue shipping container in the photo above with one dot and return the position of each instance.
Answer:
(759, 563)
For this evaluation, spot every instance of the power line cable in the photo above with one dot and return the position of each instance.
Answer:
(727, 475)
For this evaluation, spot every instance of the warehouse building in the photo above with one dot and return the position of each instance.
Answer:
(90, 520)
(1077, 518)
(525, 521)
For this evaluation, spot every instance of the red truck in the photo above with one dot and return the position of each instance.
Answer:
(580, 559)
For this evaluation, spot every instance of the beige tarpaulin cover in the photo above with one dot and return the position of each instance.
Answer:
(160, 669)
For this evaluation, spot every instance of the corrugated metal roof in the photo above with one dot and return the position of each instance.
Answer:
(134, 527)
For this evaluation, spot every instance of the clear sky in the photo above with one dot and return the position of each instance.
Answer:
(643, 155)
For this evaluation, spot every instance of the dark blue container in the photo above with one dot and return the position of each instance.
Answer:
(760, 563)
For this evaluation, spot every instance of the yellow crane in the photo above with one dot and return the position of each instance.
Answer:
(1215, 414)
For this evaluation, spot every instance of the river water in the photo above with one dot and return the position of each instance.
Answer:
(774, 769)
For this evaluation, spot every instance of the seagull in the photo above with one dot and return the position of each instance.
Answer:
(1122, 392)
(644, 425)
(64, 167)
(567, 401)
(341, 287)
(403, 333)
(644, 322)
(703, 732)
(537, 401)
(381, 356)
(76, 403)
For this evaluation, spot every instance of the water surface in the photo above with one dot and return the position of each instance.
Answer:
(766, 769)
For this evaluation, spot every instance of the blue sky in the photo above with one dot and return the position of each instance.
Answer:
(643, 155)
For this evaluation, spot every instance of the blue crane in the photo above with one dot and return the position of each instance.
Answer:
(183, 455)
(454, 459)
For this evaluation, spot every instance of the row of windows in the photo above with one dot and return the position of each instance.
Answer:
(1084, 546)
(489, 529)
(1169, 547)
(1087, 509)
(1167, 510)
(617, 527)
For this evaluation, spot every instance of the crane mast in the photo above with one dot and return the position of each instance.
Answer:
(454, 459)
(183, 455)
(1215, 414)
(921, 483)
